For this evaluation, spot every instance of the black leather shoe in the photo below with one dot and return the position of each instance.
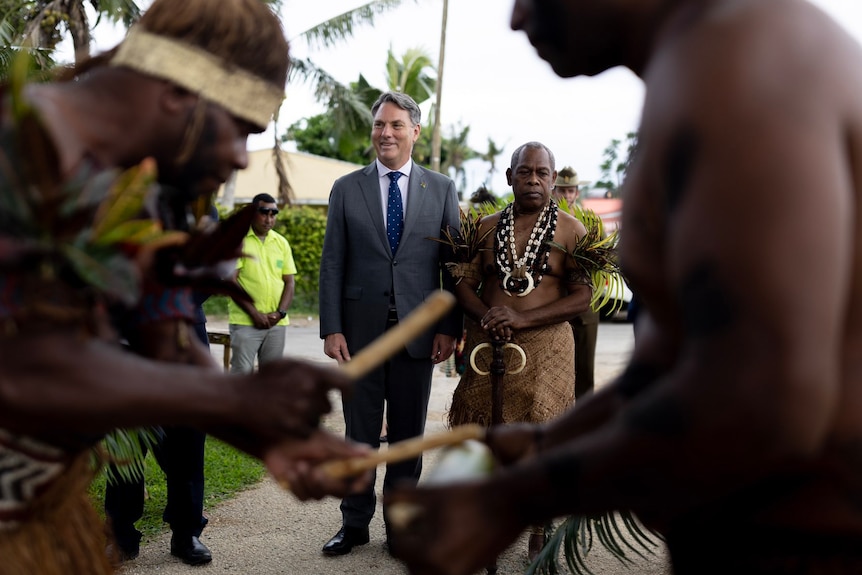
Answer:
(345, 540)
(190, 550)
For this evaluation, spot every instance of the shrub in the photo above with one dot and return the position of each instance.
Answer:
(304, 226)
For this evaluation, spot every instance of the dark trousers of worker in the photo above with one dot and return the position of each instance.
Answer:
(585, 356)
(180, 454)
(404, 383)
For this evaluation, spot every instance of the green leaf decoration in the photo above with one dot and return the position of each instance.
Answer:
(125, 200)
(112, 273)
(595, 255)
(90, 187)
(125, 449)
(466, 243)
(15, 188)
(133, 232)
(575, 537)
(223, 243)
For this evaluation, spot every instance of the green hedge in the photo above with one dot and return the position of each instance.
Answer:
(304, 226)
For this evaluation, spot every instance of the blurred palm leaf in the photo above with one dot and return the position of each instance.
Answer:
(122, 452)
(465, 243)
(575, 537)
(124, 202)
(595, 256)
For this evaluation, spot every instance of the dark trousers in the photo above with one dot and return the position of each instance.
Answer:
(404, 384)
(180, 454)
(585, 356)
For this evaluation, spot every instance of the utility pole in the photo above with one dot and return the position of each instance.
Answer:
(435, 134)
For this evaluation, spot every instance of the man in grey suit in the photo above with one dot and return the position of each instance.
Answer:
(379, 264)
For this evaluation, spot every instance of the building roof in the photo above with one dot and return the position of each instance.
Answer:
(609, 209)
(310, 176)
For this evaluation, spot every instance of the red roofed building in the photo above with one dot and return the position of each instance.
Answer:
(609, 209)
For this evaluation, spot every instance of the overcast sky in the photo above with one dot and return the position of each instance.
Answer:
(492, 79)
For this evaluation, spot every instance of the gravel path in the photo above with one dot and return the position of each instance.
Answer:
(265, 531)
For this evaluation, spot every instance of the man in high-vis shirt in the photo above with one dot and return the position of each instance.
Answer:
(257, 331)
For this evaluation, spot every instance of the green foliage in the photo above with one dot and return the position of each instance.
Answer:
(125, 448)
(227, 472)
(576, 535)
(344, 131)
(414, 74)
(614, 167)
(216, 306)
(595, 257)
(317, 135)
(304, 226)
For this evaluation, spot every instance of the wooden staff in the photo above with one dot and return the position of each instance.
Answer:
(394, 339)
(498, 371)
(403, 450)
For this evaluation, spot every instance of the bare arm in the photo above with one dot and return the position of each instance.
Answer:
(287, 293)
(92, 387)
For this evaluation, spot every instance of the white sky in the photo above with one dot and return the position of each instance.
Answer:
(493, 80)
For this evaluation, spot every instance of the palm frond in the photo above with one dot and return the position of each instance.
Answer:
(123, 451)
(342, 27)
(574, 540)
(595, 258)
(349, 109)
(466, 242)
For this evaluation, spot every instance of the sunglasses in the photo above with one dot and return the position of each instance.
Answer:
(267, 211)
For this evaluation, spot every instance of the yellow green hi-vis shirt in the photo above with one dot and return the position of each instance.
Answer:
(261, 273)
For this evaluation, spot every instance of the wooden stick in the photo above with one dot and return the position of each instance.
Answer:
(403, 450)
(393, 340)
(381, 349)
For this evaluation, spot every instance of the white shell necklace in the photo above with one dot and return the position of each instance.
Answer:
(522, 274)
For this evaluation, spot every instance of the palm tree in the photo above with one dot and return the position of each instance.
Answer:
(39, 25)
(490, 156)
(410, 74)
(435, 130)
(349, 106)
(454, 153)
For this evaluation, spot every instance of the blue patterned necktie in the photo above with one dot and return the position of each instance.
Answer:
(394, 212)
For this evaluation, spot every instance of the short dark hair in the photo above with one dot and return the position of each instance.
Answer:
(262, 199)
(403, 101)
(516, 155)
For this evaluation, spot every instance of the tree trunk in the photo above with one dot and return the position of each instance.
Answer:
(435, 134)
(79, 29)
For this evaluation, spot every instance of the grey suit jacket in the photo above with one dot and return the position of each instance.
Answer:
(358, 270)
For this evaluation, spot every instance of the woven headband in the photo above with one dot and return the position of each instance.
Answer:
(241, 93)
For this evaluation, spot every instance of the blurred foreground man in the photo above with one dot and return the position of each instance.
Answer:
(735, 430)
(174, 104)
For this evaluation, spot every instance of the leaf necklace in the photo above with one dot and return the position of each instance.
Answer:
(522, 275)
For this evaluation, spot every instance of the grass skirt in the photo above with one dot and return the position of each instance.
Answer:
(63, 534)
(542, 391)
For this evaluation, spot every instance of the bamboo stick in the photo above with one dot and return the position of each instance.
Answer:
(403, 450)
(381, 349)
(392, 340)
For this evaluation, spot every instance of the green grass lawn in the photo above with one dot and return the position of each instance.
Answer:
(227, 471)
